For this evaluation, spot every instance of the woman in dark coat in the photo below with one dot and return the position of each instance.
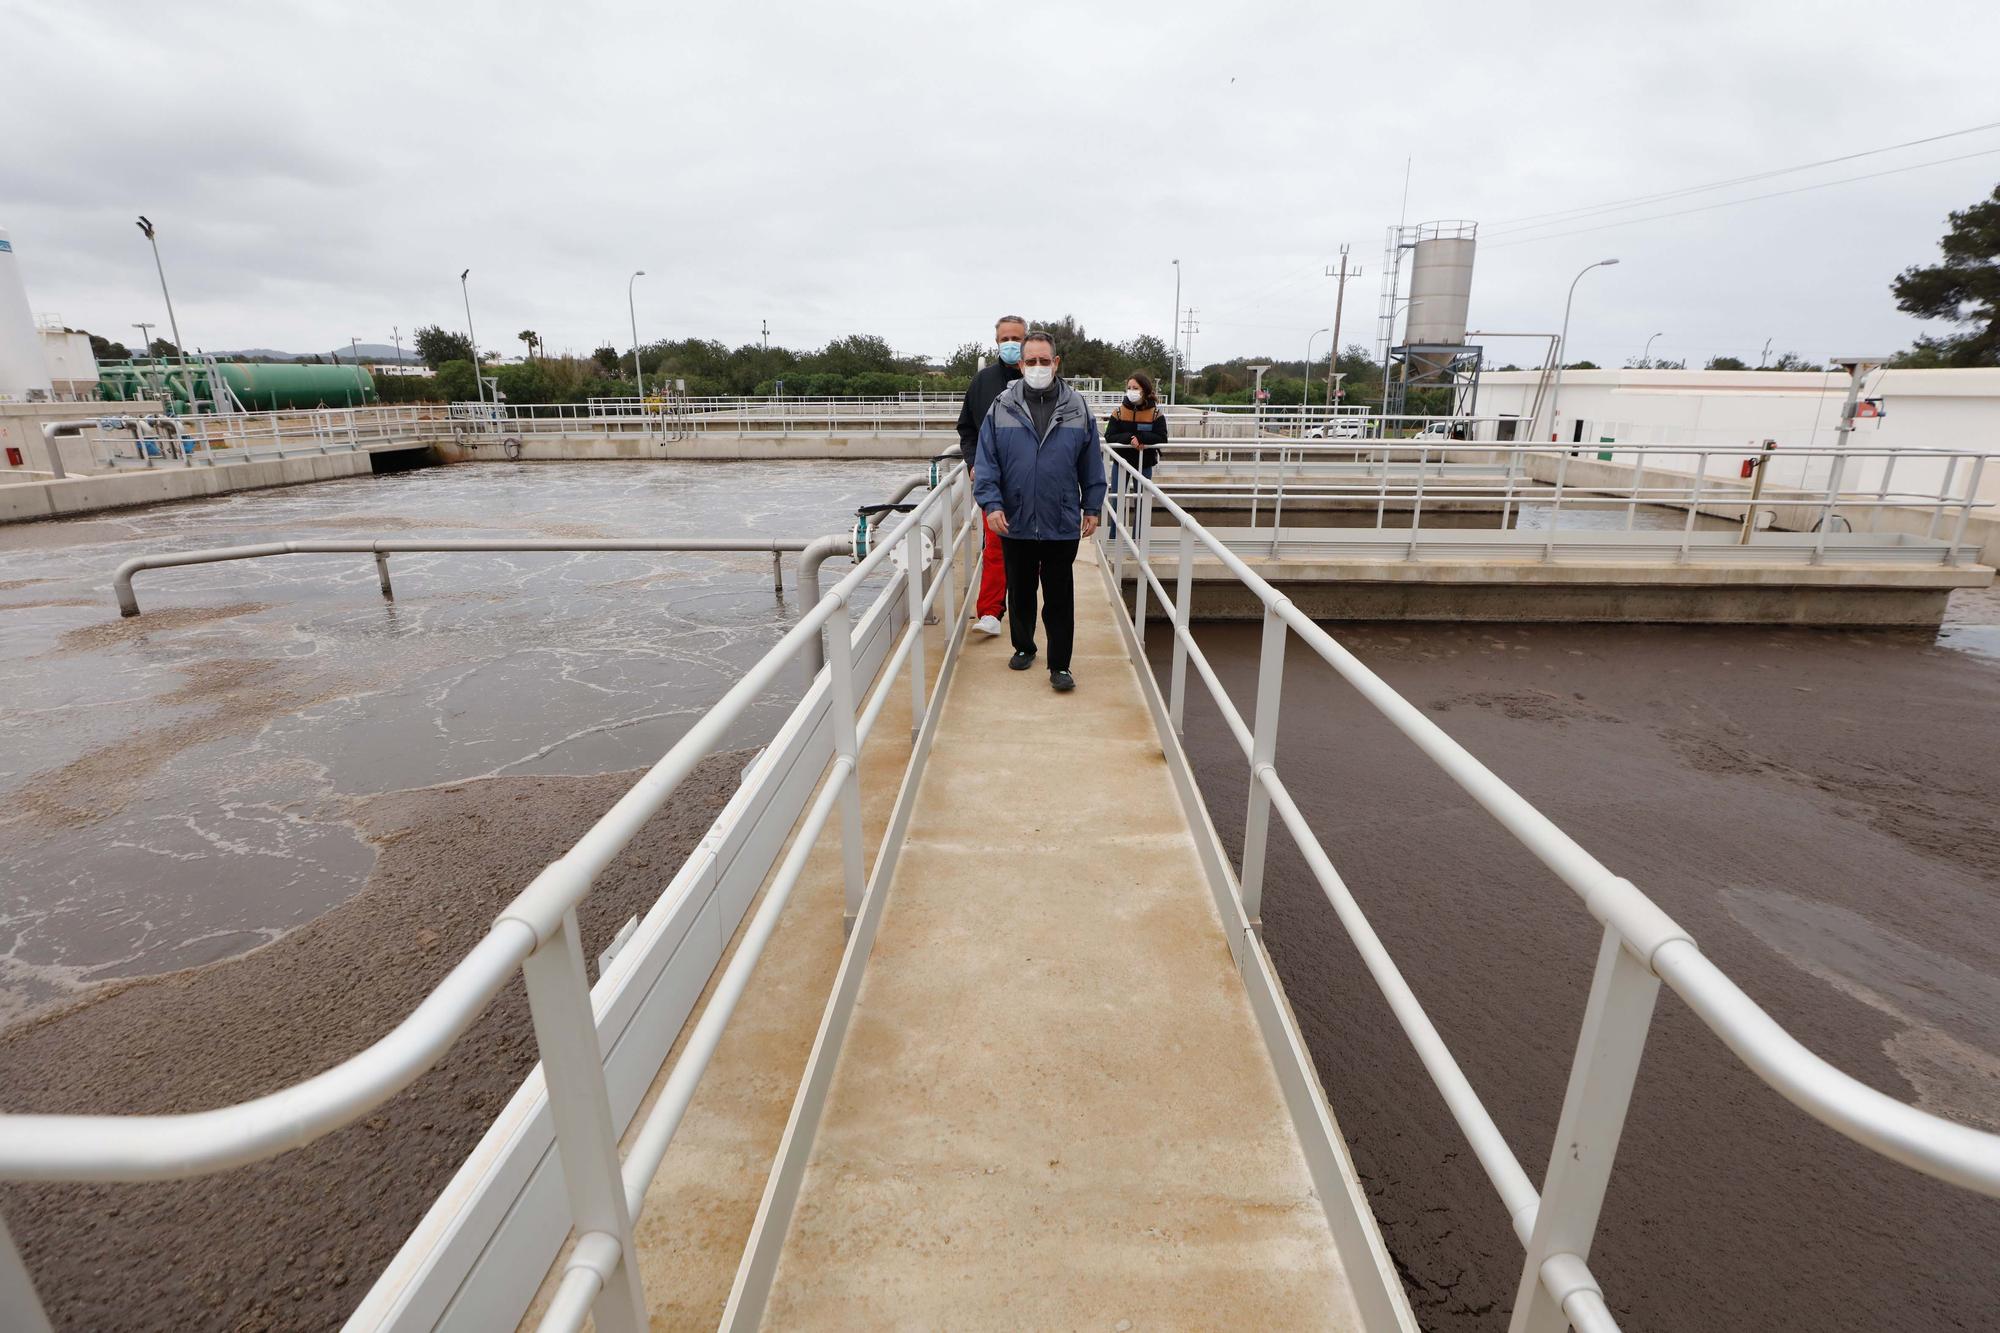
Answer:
(1135, 433)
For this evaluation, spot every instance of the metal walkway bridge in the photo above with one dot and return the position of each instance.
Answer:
(1045, 1074)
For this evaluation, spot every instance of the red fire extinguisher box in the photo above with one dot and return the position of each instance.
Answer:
(13, 456)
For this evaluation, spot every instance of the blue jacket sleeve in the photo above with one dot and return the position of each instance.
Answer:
(986, 468)
(1090, 468)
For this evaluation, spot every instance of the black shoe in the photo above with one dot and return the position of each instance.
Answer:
(1021, 661)
(1061, 682)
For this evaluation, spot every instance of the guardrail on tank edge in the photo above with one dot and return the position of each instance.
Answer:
(1408, 475)
(1641, 947)
(537, 933)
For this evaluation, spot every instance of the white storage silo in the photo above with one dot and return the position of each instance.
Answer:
(1440, 284)
(23, 371)
(24, 376)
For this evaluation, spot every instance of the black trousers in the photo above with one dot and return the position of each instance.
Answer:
(1047, 565)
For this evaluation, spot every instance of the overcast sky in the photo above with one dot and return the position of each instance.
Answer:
(320, 172)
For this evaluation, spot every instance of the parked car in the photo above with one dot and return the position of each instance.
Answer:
(1340, 428)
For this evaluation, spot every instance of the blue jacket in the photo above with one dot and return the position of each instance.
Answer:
(1045, 486)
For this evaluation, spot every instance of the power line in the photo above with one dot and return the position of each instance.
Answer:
(1528, 223)
(1747, 199)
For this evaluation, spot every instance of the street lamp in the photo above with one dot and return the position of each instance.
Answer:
(1305, 394)
(1174, 341)
(145, 338)
(1646, 357)
(145, 225)
(478, 380)
(1562, 343)
(638, 371)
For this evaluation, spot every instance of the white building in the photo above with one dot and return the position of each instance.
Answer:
(1737, 410)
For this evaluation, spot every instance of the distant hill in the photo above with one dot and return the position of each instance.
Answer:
(369, 352)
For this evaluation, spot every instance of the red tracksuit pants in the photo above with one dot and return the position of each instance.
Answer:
(993, 577)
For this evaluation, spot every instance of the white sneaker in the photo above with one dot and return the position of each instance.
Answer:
(987, 625)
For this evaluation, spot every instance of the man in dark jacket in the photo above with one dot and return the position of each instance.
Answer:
(986, 386)
(1040, 480)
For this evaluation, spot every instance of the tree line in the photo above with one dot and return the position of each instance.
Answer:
(1963, 288)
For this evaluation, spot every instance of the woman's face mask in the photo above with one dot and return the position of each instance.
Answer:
(1010, 352)
(1133, 396)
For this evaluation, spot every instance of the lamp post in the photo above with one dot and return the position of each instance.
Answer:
(145, 225)
(145, 338)
(478, 380)
(1562, 344)
(638, 371)
(1174, 354)
(1646, 357)
(1305, 393)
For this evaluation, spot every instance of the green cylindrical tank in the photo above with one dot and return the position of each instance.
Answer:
(284, 385)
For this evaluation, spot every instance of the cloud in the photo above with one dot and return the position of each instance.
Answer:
(910, 170)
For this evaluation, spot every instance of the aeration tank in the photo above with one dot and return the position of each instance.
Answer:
(284, 385)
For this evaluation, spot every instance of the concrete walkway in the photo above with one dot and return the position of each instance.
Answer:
(1053, 1108)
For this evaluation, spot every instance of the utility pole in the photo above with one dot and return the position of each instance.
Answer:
(1257, 396)
(1189, 328)
(354, 348)
(146, 226)
(767, 335)
(1339, 300)
(1765, 355)
(1174, 357)
(396, 336)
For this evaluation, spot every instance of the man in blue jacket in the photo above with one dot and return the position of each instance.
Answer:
(1039, 479)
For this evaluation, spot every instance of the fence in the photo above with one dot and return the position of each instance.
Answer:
(1818, 491)
(1641, 947)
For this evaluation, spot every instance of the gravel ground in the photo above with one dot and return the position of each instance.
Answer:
(1817, 807)
(292, 1243)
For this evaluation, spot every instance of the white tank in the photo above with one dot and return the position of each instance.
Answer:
(1440, 284)
(24, 376)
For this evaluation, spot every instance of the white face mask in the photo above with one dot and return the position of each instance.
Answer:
(1039, 377)
(1134, 397)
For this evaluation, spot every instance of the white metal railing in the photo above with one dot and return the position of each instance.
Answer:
(537, 933)
(1813, 490)
(1641, 947)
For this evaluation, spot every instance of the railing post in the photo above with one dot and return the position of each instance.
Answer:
(1143, 531)
(382, 574)
(778, 572)
(1555, 505)
(840, 674)
(1417, 505)
(1183, 607)
(1944, 493)
(1694, 504)
(1278, 506)
(580, 1106)
(1116, 510)
(1263, 748)
(1965, 510)
(949, 527)
(913, 582)
(1608, 1051)
(1826, 509)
